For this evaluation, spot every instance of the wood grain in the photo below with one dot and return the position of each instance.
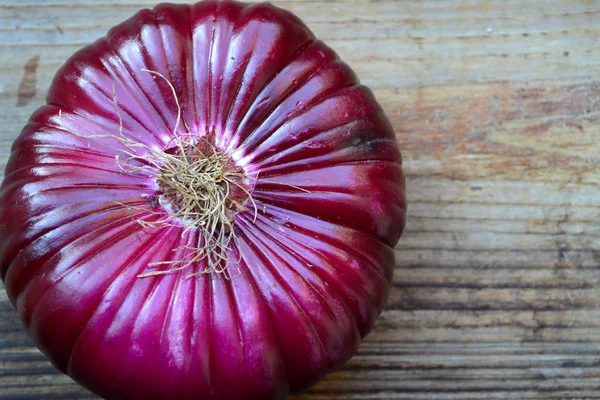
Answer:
(496, 105)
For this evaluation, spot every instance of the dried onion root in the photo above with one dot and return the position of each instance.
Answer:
(199, 186)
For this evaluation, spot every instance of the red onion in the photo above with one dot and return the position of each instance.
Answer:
(205, 208)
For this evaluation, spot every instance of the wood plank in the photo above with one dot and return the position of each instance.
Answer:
(496, 107)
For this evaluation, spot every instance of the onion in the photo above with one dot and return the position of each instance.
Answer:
(206, 208)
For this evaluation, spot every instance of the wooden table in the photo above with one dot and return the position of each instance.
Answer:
(496, 105)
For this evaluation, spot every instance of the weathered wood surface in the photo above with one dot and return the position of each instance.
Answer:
(496, 105)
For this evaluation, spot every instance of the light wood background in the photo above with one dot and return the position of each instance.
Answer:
(496, 105)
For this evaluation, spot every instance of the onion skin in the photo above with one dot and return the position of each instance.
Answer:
(316, 265)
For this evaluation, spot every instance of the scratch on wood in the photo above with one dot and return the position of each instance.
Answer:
(27, 87)
(417, 39)
(59, 29)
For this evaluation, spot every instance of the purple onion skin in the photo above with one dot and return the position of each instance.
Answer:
(315, 266)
